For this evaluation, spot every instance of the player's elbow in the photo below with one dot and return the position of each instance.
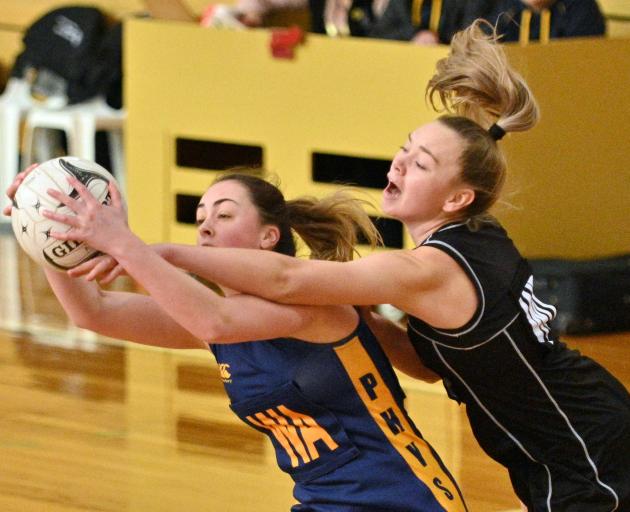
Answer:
(87, 315)
(218, 329)
(91, 315)
(87, 321)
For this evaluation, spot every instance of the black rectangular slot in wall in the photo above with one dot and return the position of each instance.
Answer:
(213, 155)
(391, 231)
(186, 208)
(349, 170)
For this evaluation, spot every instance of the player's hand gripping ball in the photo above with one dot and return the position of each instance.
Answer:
(32, 229)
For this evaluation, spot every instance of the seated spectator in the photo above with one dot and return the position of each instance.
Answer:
(419, 21)
(423, 22)
(533, 20)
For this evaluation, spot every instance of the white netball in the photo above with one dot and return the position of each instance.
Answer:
(32, 229)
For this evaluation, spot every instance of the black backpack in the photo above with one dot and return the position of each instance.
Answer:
(67, 56)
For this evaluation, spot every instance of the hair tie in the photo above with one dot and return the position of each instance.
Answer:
(496, 132)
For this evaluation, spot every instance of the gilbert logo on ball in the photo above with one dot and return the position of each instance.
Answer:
(32, 229)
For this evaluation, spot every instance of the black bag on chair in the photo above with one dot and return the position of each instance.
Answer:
(590, 296)
(106, 71)
(60, 49)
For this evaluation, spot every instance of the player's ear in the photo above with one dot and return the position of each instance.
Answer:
(459, 200)
(269, 237)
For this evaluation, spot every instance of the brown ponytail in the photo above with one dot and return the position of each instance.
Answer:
(330, 227)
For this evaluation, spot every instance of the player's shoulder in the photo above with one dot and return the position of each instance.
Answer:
(478, 232)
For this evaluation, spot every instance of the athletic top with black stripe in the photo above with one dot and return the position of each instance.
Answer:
(335, 415)
(556, 419)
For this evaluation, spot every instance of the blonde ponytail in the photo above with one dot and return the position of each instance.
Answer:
(477, 82)
(487, 97)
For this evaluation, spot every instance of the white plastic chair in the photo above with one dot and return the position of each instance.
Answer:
(14, 103)
(80, 122)
(11, 309)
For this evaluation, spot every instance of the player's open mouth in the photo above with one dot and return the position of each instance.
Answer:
(391, 191)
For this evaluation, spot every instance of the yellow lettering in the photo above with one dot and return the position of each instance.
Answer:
(267, 423)
(297, 436)
(290, 432)
(311, 431)
(224, 371)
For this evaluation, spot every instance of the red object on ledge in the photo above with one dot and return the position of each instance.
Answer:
(284, 41)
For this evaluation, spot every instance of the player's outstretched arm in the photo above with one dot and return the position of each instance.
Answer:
(122, 315)
(189, 303)
(129, 316)
(375, 279)
(415, 281)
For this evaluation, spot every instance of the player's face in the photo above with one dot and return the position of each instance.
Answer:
(423, 175)
(226, 217)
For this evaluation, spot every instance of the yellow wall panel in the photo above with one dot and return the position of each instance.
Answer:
(570, 175)
(617, 13)
(615, 7)
(225, 86)
(362, 97)
(618, 28)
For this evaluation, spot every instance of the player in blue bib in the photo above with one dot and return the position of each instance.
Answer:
(313, 379)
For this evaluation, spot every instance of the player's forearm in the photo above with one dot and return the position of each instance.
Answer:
(191, 304)
(262, 273)
(393, 338)
(80, 299)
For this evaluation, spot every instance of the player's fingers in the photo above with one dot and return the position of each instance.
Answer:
(117, 271)
(84, 193)
(19, 177)
(71, 234)
(12, 188)
(115, 195)
(7, 210)
(70, 220)
(29, 169)
(84, 268)
(101, 268)
(65, 199)
(17, 181)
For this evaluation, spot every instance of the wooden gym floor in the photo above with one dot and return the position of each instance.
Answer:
(93, 424)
